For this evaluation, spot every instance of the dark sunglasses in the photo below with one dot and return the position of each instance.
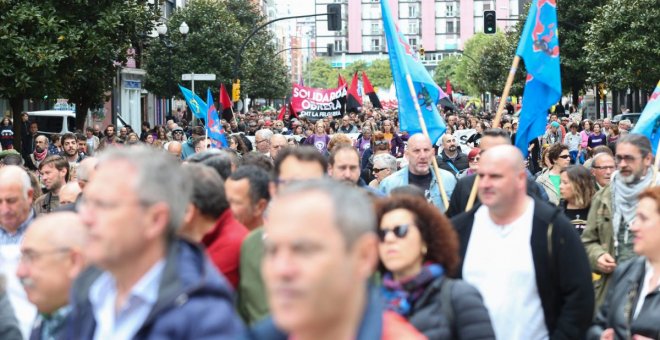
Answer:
(399, 231)
(377, 170)
(564, 156)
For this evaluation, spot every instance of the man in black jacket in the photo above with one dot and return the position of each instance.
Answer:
(451, 158)
(524, 256)
(461, 193)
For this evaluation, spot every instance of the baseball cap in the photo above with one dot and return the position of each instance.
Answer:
(554, 124)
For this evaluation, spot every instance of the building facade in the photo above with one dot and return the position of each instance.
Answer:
(440, 27)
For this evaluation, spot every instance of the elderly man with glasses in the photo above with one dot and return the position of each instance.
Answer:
(607, 237)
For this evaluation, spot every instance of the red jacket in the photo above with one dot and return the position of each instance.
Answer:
(223, 245)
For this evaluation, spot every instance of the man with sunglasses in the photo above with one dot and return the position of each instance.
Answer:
(607, 237)
(524, 256)
(51, 258)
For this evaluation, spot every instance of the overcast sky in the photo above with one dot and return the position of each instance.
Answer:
(298, 7)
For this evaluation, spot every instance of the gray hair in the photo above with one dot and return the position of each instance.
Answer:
(264, 133)
(388, 160)
(158, 179)
(11, 173)
(637, 140)
(352, 211)
(208, 194)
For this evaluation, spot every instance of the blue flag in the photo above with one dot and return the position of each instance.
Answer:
(404, 62)
(214, 129)
(539, 48)
(196, 104)
(649, 121)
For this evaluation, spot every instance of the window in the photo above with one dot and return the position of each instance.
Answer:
(450, 27)
(412, 11)
(413, 27)
(375, 44)
(375, 28)
(339, 46)
(413, 43)
(450, 11)
(486, 6)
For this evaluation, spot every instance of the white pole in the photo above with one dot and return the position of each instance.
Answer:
(192, 79)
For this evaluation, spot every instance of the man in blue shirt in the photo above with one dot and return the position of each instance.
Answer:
(15, 204)
(145, 282)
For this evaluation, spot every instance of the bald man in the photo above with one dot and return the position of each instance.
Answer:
(86, 170)
(174, 148)
(69, 193)
(51, 258)
(524, 256)
(16, 212)
(418, 172)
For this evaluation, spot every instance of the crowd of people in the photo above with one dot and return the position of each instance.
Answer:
(337, 228)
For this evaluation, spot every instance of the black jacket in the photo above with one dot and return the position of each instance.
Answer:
(470, 321)
(621, 301)
(563, 275)
(459, 164)
(459, 198)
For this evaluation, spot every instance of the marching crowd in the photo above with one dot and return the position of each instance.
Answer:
(339, 228)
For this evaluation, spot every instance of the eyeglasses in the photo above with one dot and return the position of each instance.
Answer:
(399, 231)
(564, 156)
(475, 159)
(381, 142)
(627, 158)
(377, 170)
(261, 141)
(31, 256)
(178, 132)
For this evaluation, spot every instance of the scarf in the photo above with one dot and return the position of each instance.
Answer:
(624, 201)
(400, 296)
(39, 156)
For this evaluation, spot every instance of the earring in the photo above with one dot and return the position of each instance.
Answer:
(424, 250)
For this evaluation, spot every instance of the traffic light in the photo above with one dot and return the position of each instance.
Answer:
(331, 50)
(334, 17)
(490, 22)
(236, 90)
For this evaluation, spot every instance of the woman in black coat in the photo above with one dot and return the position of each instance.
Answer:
(418, 252)
(632, 305)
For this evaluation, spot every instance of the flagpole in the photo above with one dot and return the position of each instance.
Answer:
(496, 124)
(436, 169)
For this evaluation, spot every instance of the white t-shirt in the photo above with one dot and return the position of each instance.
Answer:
(499, 262)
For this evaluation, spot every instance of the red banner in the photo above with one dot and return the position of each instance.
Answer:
(316, 103)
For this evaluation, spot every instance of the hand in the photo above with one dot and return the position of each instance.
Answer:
(607, 334)
(606, 263)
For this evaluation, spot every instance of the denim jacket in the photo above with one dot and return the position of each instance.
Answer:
(400, 178)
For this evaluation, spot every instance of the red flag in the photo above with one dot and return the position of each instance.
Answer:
(354, 100)
(280, 116)
(225, 104)
(369, 90)
(448, 90)
(341, 81)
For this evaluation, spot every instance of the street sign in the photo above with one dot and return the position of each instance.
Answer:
(203, 76)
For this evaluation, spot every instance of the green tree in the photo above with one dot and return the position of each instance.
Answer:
(380, 73)
(321, 74)
(622, 44)
(65, 48)
(210, 47)
(446, 69)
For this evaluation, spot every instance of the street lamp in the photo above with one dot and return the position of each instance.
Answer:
(161, 29)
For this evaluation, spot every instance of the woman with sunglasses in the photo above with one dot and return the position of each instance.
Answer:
(418, 252)
(473, 164)
(632, 306)
(378, 145)
(559, 159)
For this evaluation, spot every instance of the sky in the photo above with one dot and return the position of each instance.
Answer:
(298, 7)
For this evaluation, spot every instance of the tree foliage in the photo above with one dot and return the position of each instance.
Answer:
(623, 46)
(217, 29)
(67, 48)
